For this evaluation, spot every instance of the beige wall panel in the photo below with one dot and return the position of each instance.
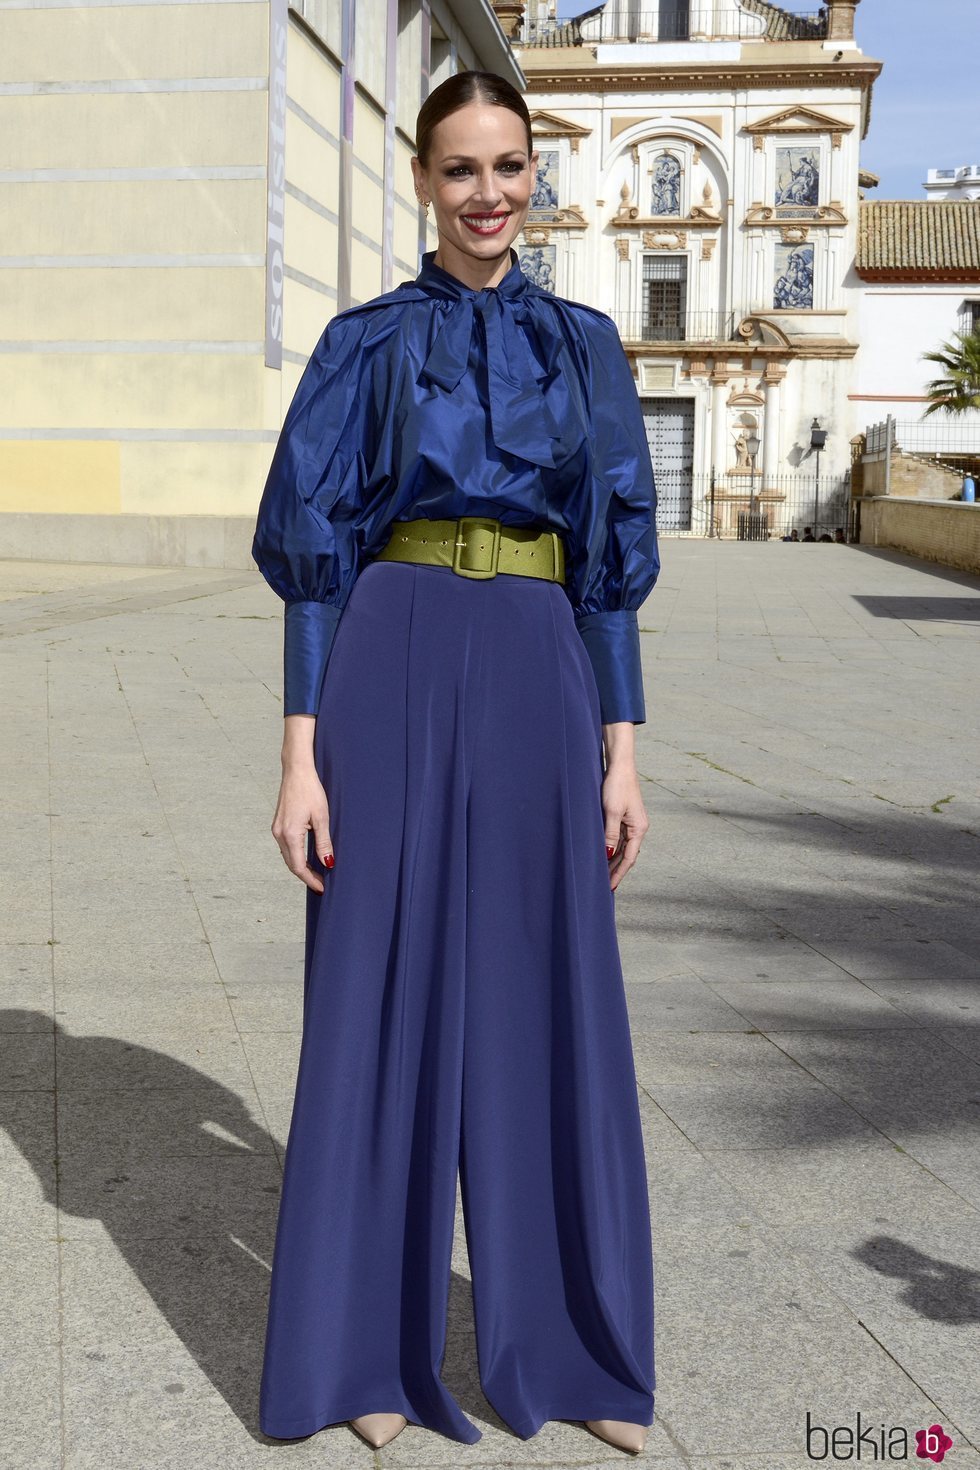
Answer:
(144, 217)
(131, 390)
(311, 162)
(141, 41)
(169, 304)
(369, 135)
(313, 81)
(193, 479)
(403, 168)
(317, 174)
(133, 130)
(406, 234)
(306, 314)
(406, 271)
(281, 392)
(367, 211)
(62, 476)
(405, 203)
(405, 267)
(365, 272)
(279, 388)
(291, 375)
(331, 176)
(311, 242)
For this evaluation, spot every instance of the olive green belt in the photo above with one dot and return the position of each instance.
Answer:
(478, 546)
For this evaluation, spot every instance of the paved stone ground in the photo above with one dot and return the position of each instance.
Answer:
(802, 946)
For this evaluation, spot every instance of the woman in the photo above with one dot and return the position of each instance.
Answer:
(460, 516)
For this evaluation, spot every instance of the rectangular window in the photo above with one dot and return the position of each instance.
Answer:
(664, 297)
(674, 21)
(409, 79)
(970, 317)
(370, 46)
(324, 18)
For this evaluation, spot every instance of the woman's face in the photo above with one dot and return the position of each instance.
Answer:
(480, 181)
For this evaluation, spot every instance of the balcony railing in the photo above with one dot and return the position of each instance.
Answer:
(690, 326)
(751, 20)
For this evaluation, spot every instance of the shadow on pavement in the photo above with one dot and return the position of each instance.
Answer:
(192, 1213)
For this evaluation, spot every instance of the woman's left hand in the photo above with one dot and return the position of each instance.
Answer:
(626, 818)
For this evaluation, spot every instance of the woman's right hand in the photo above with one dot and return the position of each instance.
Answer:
(302, 804)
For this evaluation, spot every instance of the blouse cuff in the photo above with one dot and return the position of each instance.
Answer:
(309, 629)
(612, 641)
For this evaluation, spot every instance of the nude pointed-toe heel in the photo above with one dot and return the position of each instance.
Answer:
(619, 1432)
(379, 1429)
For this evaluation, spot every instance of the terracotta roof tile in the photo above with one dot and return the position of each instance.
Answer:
(910, 238)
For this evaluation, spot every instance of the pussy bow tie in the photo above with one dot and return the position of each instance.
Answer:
(522, 421)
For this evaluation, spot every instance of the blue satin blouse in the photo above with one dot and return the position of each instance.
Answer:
(437, 400)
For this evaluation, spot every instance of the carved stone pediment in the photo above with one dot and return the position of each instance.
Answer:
(536, 232)
(793, 120)
(551, 125)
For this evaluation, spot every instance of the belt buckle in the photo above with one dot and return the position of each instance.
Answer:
(558, 553)
(467, 558)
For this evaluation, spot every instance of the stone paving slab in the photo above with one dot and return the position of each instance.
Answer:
(800, 942)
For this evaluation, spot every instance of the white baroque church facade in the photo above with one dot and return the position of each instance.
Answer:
(698, 179)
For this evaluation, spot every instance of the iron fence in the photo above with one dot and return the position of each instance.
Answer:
(759, 508)
(679, 326)
(754, 19)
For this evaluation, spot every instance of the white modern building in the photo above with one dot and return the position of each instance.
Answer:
(953, 183)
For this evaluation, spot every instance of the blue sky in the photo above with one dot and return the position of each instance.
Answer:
(925, 112)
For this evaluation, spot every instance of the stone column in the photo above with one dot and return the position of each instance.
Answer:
(774, 374)
(719, 436)
(626, 316)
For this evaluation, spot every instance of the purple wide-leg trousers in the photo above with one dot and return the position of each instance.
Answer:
(464, 1011)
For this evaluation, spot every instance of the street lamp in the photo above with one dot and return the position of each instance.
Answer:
(752, 445)
(818, 438)
(755, 528)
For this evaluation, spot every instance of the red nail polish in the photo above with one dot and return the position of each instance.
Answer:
(329, 860)
(610, 851)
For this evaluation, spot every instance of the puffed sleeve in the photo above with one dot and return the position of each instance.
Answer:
(623, 575)
(304, 543)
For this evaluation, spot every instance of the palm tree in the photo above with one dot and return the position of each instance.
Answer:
(959, 390)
